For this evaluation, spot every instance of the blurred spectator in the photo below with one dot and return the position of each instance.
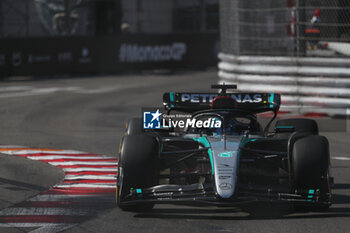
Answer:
(313, 33)
(125, 27)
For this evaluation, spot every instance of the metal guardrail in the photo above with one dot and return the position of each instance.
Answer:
(307, 85)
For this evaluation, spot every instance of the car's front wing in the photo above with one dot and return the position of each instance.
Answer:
(204, 194)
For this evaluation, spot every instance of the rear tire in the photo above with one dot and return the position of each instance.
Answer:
(134, 126)
(138, 168)
(300, 125)
(310, 165)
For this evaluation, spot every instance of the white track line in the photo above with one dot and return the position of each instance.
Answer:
(47, 228)
(12, 146)
(91, 169)
(341, 158)
(35, 224)
(82, 163)
(44, 211)
(81, 185)
(91, 177)
(15, 88)
(68, 197)
(28, 152)
(53, 157)
(44, 227)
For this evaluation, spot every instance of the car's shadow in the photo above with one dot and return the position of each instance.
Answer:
(252, 211)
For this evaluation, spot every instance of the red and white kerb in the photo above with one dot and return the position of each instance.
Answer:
(87, 189)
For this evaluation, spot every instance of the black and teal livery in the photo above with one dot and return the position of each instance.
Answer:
(242, 161)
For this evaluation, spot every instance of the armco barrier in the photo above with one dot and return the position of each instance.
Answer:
(319, 85)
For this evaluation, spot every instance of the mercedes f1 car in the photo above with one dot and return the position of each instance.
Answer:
(235, 163)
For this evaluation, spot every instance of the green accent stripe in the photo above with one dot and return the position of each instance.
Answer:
(284, 127)
(271, 100)
(171, 95)
(172, 99)
(204, 141)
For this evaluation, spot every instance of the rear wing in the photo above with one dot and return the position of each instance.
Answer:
(251, 102)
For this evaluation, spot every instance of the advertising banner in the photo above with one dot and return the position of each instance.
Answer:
(103, 54)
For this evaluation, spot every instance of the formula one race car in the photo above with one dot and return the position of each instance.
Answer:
(235, 162)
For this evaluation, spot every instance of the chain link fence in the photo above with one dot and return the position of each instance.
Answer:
(285, 27)
(42, 18)
(298, 48)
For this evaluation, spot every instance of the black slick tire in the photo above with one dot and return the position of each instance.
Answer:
(310, 165)
(134, 126)
(300, 125)
(138, 168)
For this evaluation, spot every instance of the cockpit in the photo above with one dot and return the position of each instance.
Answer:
(223, 122)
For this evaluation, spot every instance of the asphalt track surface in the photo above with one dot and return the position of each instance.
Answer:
(21, 178)
(89, 113)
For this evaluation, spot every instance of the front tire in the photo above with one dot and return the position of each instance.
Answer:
(138, 168)
(310, 166)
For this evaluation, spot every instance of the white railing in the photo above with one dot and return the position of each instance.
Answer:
(320, 85)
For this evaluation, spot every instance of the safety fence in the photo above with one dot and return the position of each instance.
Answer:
(285, 27)
(318, 85)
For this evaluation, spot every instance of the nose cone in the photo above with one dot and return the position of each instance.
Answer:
(226, 163)
(226, 174)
